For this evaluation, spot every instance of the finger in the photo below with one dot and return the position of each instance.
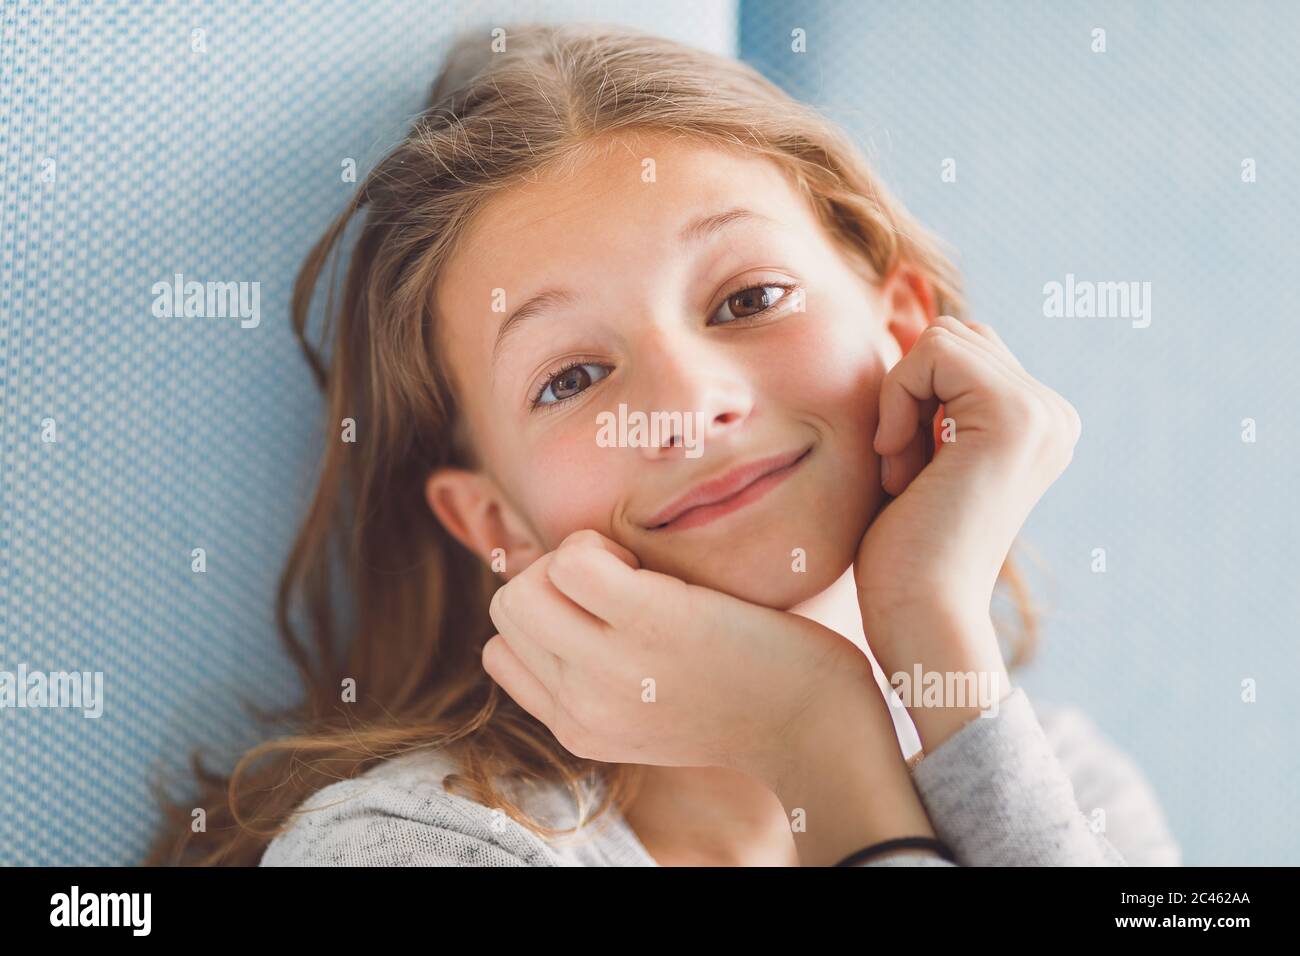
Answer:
(554, 622)
(940, 368)
(505, 667)
(604, 585)
(906, 465)
(509, 614)
(588, 593)
(991, 334)
(986, 338)
(592, 538)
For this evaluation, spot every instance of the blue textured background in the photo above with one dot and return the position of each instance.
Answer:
(176, 434)
(1123, 165)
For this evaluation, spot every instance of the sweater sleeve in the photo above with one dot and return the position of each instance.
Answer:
(998, 793)
(367, 822)
(1109, 788)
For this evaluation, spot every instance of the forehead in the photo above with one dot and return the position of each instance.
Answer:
(590, 221)
(632, 192)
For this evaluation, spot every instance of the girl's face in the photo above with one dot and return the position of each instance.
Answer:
(682, 279)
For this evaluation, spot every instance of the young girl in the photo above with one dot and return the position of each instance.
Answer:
(669, 652)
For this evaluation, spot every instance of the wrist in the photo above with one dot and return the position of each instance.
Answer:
(944, 663)
(937, 630)
(846, 781)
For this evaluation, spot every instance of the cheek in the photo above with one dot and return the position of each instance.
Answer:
(567, 485)
(837, 369)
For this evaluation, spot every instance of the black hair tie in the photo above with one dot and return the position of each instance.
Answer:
(911, 843)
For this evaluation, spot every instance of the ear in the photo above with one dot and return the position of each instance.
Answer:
(477, 514)
(909, 305)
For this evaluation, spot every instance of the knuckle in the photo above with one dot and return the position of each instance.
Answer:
(496, 607)
(935, 335)
(1023, 410)
(535, 572)
(582, 742)
(571, 738)
(488, 654)
(1039, 414)
(530, 583)
(509, 599)
(1058, 423)
(1073, 422)
(1073, 428)
(587, 536)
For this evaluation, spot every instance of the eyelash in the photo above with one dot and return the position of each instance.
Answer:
(535, 404)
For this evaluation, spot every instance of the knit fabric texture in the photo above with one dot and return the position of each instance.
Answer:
(1005, 790)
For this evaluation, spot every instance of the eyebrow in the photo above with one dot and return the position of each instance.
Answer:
(695, 231)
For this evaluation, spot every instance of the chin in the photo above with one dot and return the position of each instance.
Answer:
(763, 582)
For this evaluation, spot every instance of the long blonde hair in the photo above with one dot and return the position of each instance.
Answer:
(412, 636)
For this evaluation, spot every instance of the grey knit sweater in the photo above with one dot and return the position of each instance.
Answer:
(1031, 786)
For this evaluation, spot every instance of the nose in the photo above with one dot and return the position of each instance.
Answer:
(678, 371)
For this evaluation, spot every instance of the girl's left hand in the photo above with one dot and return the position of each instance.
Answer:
(927, 565)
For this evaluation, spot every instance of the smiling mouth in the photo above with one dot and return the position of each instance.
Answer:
(760, 486)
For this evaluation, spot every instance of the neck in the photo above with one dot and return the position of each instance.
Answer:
(713, 816)
(837, 608)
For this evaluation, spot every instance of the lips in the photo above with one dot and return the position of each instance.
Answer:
(725, 486)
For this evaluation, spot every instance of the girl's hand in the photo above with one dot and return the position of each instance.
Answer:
(627, 665)
(927, 566)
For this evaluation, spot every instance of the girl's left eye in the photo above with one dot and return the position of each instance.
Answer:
(757, 297)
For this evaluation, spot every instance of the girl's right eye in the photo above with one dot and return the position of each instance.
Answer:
(566, 383)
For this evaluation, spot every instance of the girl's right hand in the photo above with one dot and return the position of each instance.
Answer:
(627, 665)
